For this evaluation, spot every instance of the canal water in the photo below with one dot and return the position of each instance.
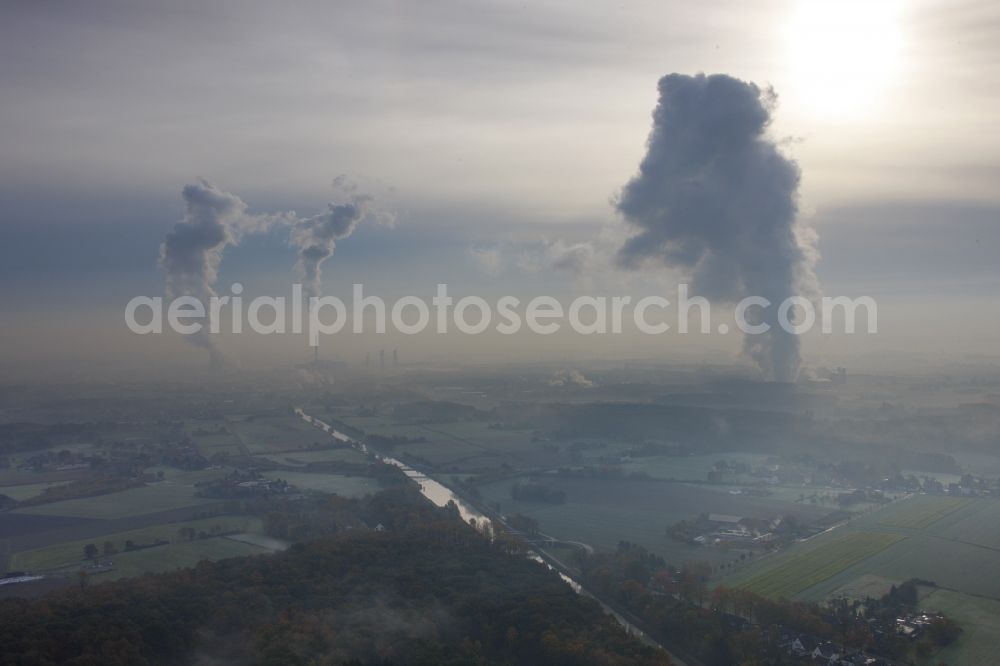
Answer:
(440, 494)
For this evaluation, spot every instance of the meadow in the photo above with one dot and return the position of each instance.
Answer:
(302, 458)
(71, 553)
(346, 486)
(28, 490)
(133, 502)
(978, 523)
(819, 564)
(177, 555)
(459, 445)
(953, 549)
(921, 511)
(217, 443)
(690, 468)
(979, 618)
(276, 434)
(950, 541)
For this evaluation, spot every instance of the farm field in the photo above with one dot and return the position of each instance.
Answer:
(922, 511)
(14, 525)
(956, 565)
(183, 477)
(10, 478)
(819, 564)
(132, 502)
(443, 451)
(481, 434)
(515, 448)
(438, 448)
(953, 550)
(70, 554)
(689, 468)
(346, 486)
(275, 434)
(978, 524)
(823, 498)
(980, 621)
(378, 425)
(325, 455)
(461, 445)
(213, 444)
(255, 539)
(28, 490)
(868, 585)
(176, 556)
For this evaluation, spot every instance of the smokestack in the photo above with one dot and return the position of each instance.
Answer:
(716, 198)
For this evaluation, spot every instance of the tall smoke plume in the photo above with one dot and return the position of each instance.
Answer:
(191, 252)
(214, 219)
(317, 236)
(715, 198)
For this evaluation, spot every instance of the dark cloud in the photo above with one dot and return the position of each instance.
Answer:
(715, 197)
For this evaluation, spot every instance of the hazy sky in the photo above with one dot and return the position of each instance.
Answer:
(497, 130)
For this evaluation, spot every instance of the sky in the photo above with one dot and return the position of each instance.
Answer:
(499, 134)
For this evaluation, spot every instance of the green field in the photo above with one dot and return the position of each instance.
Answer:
(461, 445)
(980, 622)
(346, 486)
(480, 434)
(184, 477)
(868, 585)
(326, 455)
(922, 511)
(132, 502)
(688, 468)
(176, 556)
(212, 436)
(276, 434)
(979, 523)
(379, 425)
(28, 490)
(807, 569)
(953, 550)
(210, 445)
(70, 554)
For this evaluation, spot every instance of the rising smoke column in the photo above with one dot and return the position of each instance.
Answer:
(191, 252)
(716, 198)
(317, 236)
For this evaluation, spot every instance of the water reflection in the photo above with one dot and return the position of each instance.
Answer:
(431, 489)
(441, 495)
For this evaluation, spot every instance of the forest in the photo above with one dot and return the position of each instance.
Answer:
(435, 592)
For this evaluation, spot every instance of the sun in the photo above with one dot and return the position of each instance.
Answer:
(843, 55)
